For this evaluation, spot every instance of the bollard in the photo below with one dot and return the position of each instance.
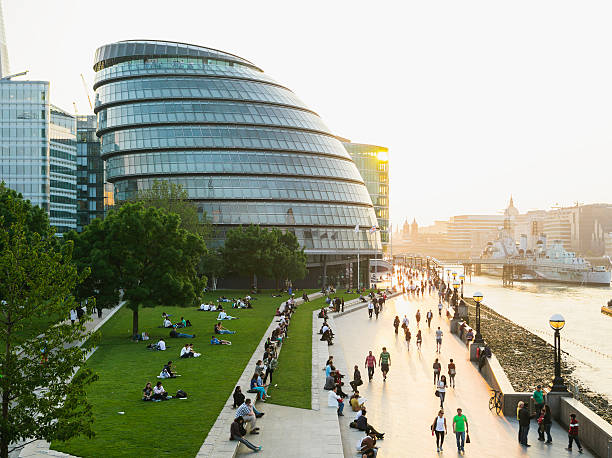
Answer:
(609, 449)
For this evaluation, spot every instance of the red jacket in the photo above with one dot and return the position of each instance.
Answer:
(573, 428)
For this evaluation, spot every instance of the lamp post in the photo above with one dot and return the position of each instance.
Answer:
(461, 277)
(455, 299)
(478, 299)
(556, 323)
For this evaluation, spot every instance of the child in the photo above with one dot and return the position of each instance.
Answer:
(573, 433)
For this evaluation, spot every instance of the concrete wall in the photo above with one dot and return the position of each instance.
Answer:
(594, 431)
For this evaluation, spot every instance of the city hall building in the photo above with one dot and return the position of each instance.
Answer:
(245, 148)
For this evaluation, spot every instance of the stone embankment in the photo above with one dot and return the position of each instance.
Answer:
(527, 359)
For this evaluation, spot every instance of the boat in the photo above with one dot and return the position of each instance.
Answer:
(552, 263)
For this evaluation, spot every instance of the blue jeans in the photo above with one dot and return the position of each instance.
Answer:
(180, 334)
(340, 407)
(460, 435)
(246, 442)
(225, 331)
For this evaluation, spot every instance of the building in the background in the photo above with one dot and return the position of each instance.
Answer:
(243, 146)
(469, 234)
(90, 172)
(38, 150)
(373, 163)
(4, 63)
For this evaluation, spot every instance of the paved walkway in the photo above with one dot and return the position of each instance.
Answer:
(404, 407)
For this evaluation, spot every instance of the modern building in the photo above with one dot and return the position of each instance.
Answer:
(245, 148)
(38, 150)
(373, 163)
(469, 234)
(4, 63)
(90, 172)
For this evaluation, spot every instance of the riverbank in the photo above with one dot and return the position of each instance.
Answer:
(527, 358)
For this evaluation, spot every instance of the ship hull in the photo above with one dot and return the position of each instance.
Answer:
(556, 276)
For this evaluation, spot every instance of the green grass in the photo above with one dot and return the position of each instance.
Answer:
(294, 372)
(175, 427)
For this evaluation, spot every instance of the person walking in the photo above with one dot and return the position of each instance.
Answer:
(439, 428)
(442, 390)
(439, 334)
(437, 368)
(419, 338)
(396, 324)
(418, 317)
(376, 310)
(524, 420)
(370, 364)
(460, 428)
(452, 370)
(573, 433)
(370, 309)
(385, 362)
(356, 379)
(407, 335)
(440, 309)
(547, 422)
(429, 317)
(538, 399)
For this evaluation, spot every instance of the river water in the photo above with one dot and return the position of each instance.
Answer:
(587, 335)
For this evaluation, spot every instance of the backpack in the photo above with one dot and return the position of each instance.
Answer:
(180, 394)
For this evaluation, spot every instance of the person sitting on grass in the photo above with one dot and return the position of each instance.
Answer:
(175, 334)
(167, 371)
(183, 323)
(195, 353)
(147, 392)
(237, 433)
(219, 329)
(159, 394)
(159, 346)
(187, 352)
(167, 323)
(257, 385)
(215, 341)
(224, 316)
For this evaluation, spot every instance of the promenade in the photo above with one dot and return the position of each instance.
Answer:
(404, 406)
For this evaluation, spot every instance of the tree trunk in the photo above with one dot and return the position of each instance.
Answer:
(214, 280)
(135, 321)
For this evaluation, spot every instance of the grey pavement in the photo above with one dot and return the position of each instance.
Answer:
(404, 406)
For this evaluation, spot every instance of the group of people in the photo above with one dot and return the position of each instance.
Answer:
(543, 417)
(376, 303)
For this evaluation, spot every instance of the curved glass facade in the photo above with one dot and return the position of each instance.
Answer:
(245, 148)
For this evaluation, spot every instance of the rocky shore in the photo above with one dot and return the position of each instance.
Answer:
(527, 359)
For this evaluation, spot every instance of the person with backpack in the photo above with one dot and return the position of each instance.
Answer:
(439, 429)
(572, 433)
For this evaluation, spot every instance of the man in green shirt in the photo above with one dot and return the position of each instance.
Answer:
(538, 398)
(460, 428)
(385, 362)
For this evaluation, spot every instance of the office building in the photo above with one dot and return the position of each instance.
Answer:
(245, 148)
(373, 164)
(90, 173)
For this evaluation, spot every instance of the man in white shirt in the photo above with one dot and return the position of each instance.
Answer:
(161, 345)
(370, 309)
(405, 322)
(205, 307)
(167, 323)
(333, 400)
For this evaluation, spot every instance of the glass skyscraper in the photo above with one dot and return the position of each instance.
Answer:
(90, 172)
(373, 163)
(245, 147)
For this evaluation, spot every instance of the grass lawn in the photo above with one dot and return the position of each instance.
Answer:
(175, 427)
(294, 372)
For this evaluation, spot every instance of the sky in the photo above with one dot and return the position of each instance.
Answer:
(476, 100)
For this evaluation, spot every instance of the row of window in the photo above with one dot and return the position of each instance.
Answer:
(277, 188)
(230, 162)
(22, 132)
(63, 185)
(201, 88)
(220, 137)
(23, 92)
(22, 113)
(208, 112)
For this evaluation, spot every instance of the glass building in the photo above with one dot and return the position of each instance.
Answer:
(373, 163)
(38, 150)
(90, 172)
(245, 147)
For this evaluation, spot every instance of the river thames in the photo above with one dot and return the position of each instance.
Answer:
(587, 335)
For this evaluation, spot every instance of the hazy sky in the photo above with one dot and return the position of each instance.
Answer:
(475, 99)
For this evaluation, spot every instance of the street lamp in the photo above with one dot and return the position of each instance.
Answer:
(478, 299)
(455, 298)
(461, 277)
(557, 322)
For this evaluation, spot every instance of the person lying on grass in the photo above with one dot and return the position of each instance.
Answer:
(159, 394)
(175, 334)
(219, 329)
(147, 392)
(215, 341)
(224, 316)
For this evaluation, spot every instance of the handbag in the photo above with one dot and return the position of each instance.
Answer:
(437, 393)
(467, 439)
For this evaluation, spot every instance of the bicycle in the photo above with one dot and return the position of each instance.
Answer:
(496, 401)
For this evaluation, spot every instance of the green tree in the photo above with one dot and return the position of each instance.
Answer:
(40, 398)
(213, 266)
(173, 198)
(289, 259)
(143, 255)
(248, 252)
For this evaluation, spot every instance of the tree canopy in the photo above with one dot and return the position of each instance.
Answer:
(39, 397)
(143, 254)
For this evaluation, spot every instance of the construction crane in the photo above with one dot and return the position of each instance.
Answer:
(14, 75)
(76, 112)
(86, 91)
